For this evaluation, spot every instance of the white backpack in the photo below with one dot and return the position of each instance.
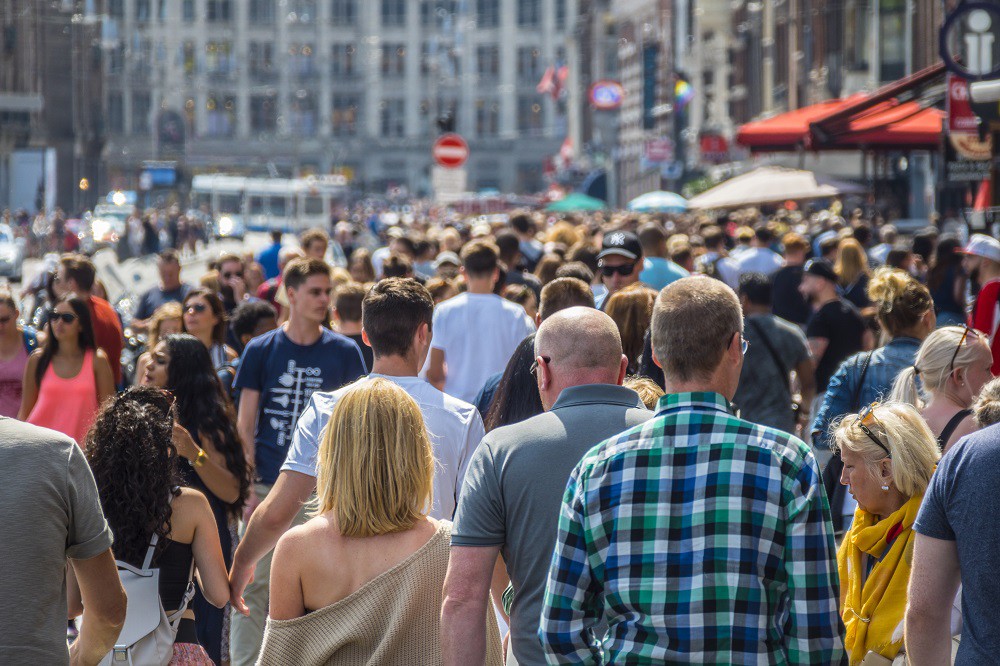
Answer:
(147, 639)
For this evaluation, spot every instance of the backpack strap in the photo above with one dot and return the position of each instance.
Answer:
(786, 380)
(149, 551)
(856, 396)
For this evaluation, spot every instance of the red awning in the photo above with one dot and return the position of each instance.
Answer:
(870, 121)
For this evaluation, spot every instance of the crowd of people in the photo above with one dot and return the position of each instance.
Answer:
(596, 439)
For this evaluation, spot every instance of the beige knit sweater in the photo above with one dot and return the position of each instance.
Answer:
(393, 619)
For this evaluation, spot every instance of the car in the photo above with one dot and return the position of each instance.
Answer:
(11, 254)
(107, 224)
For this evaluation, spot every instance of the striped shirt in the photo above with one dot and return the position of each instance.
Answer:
(700, 538)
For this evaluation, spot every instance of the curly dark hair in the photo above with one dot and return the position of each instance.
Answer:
(203, 407)
(132, 456)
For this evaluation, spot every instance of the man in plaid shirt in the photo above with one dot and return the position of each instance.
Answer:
(698, 536)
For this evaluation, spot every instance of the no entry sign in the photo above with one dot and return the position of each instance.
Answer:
(450, 151)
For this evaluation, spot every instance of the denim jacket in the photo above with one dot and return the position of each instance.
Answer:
(886, 364)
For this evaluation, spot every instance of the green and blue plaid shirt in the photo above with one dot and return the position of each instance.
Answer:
(700, 538)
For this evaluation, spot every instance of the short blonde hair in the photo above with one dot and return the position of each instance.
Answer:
(912, 446)
(376, 465)
(165, 312)
(987, 407)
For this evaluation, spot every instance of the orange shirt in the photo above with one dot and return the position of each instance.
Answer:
(108, 333)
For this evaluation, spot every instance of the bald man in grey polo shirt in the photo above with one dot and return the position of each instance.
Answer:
(515, 482)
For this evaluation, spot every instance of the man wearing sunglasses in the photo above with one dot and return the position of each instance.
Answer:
(620, 263)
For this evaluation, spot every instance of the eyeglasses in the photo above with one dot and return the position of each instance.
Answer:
(534, 366)
(744, 343)
(197, 308)
(623, 270)
(867, 418)
(965, 334)
(64, 317)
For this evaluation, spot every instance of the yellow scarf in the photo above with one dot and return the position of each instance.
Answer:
(873, 613)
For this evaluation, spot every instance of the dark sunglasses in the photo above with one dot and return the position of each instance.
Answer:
(623, 270)
(197, 307)
(64, 317)
(965, 335)
(534, 366)
(230, 276)
(866, 419)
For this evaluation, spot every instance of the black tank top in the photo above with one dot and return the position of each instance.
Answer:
(174, 562)
(950, 427)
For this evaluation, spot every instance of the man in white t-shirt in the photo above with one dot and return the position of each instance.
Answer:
(396, 317)
(475, 333)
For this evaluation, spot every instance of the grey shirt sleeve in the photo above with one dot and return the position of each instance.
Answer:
(88, 535)
(932, 519)
(479, 519)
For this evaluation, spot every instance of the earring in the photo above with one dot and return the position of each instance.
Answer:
(885, 489)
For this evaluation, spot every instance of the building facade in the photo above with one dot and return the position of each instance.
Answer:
(335, 86)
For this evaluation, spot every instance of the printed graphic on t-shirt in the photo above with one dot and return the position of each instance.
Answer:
(286, 401)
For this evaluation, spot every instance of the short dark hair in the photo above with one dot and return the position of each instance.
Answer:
(757, 287)
(301, 269)
(244, 319)
(651, 237)
(576, 269)
(763, 234)
(79, 269)
(508, 244)
(348, 301)
(391, 313)
(397, 265)
(227, 257)
(310, 236)
(713, 237)
(863, 233)
(562, 293)
(522, 223)
(171, 256)
(480, 257)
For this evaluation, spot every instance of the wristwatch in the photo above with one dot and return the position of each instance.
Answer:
(199, 460)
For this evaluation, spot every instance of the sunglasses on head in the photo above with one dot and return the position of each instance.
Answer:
(197, 307)
(64, 317)
(965, 334)
(623, 270)
(866, 419)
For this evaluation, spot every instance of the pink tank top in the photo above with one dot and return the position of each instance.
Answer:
(67, 405)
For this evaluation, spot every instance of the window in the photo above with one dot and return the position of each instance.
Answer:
(301, 11)
(393, 13)
(529, 13)
(528, 70)
(300, 60)
(488, 61)
(116, 113)
(303, 114)
(187, 11)
(189, 60)
(393, 122)
(219, 58)
(487, 118)
(342, 61)
(263, 113)
(140, 113)
(560, 14)
(218, 11)
(262, 60)
(116, 59)
(221, 116)
(487, 13)
(116, 8)
(892, 41)
(529, 115)
(344, 115)
(439, 13)
(261, 12)
(142, 10)
(343, 12)
(393, 60)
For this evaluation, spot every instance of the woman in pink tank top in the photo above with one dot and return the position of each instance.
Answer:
(66, 380)
(15, 344)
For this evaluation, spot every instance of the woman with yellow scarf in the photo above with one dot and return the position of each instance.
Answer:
(889, 455)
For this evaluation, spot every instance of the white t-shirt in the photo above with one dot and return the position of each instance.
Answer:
(759, 260)
(455, 429)
(478, 333)
(378, 259)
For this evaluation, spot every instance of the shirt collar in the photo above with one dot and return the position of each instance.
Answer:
(702, 400)
(597, 394)
(903, 340)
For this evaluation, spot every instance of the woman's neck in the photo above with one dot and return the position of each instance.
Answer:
(69, 348)
(206, 339)
(11, 341)
(947, 399)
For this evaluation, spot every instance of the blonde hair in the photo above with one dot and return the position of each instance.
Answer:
(165, 312)
(912, 446)
(852, 262)
(376, 466)
(933, 365)
(648, 390)
(986, 411)
(564, 232)
(900, 301)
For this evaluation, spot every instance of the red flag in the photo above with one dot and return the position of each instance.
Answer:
(562, 72)
(547, 83)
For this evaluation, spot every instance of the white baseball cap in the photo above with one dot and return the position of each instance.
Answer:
(981, 245)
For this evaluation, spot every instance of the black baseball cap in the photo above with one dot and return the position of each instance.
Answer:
(622, 243)
(821, 268)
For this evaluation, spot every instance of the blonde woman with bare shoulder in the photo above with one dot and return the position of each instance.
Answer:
(361, 582)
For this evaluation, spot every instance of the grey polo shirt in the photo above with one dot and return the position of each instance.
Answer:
(514, 488)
